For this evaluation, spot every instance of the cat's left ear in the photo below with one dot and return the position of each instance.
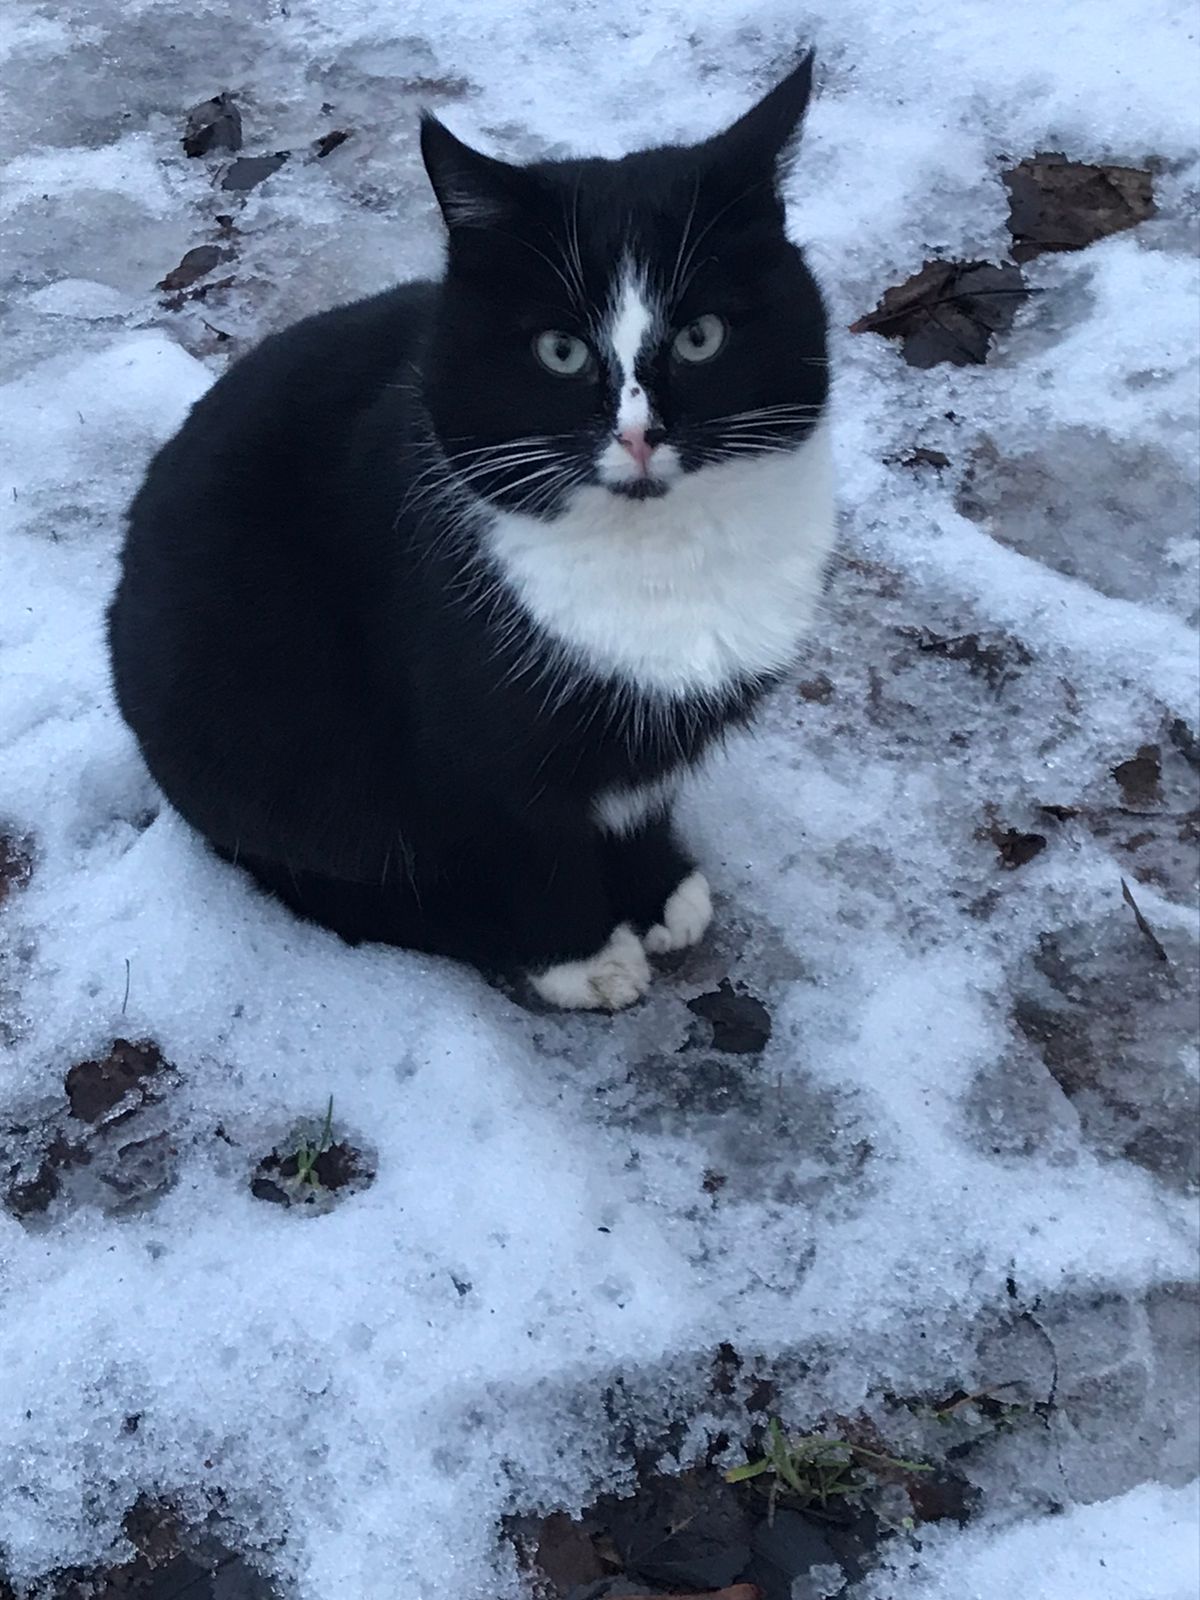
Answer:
(473, 190)
(767, 133)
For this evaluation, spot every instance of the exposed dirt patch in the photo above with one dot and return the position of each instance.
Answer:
(709, 1531)
(16, 865)
(683, 1533)
(809, 1510)
(172, 1562)
(995, 656)
(28, 1186)
(286, 1178)
(109, 1145)
(121, 1079)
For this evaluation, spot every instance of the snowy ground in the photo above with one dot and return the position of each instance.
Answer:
(962, 1157)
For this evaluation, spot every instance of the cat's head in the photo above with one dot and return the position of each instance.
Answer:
(620, 324)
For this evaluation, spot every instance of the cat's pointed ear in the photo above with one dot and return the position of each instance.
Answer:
(473, 190)
(766, 133)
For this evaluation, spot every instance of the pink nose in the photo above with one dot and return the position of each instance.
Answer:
(640, 447)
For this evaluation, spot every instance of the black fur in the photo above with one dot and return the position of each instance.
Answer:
(326, 678)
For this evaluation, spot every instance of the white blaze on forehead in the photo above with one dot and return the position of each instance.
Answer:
(628, 328)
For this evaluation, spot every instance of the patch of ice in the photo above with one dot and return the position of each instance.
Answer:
(128, 167)
(81, 297)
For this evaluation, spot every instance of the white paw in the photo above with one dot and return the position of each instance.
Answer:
(686, 915)
(613, 978)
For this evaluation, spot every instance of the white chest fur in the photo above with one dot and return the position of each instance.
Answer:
(713, 582)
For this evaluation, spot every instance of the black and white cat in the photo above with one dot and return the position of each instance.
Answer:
(433, 600)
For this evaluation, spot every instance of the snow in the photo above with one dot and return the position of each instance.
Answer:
(1099, 1550)
(371, 1389)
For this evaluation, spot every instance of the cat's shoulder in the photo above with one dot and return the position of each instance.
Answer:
(284, 406)
(362, 338)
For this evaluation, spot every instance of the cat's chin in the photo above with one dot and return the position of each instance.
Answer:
(640, 489)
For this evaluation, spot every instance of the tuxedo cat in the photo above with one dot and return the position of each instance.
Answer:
(433, 600)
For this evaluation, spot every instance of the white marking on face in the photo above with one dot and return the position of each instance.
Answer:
(633, 324)
(631, 320)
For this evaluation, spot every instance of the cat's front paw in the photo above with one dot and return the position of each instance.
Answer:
(686, 917)
(613, 978)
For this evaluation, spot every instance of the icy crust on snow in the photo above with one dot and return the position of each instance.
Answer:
(976, 1077)
(1144, 1546)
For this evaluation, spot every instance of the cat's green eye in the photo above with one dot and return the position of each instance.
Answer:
(701, 339)
(562, 353)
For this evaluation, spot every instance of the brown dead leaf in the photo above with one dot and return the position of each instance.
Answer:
(201, 291)
(1056, 204)
(195, 264)
(948, 311)
(247, 172)
(1140, 779)
(328, 142)
(154, 1527)
(818, 688)
(1060, 813)
(922, 456)
(565, 1554)
(1016, 848)
(214, 124)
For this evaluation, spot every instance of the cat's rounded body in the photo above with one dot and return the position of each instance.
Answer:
(433, 600)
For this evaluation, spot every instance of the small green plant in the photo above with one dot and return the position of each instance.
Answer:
(308, 1150)
(818, 1471)
(984, 1406)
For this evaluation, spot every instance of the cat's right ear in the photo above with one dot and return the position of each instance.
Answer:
(473, 190)
(766, 135)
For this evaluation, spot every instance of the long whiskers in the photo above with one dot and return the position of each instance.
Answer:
(470, 468)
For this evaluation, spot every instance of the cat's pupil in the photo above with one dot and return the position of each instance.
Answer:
(562, 350)
(695, 335)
